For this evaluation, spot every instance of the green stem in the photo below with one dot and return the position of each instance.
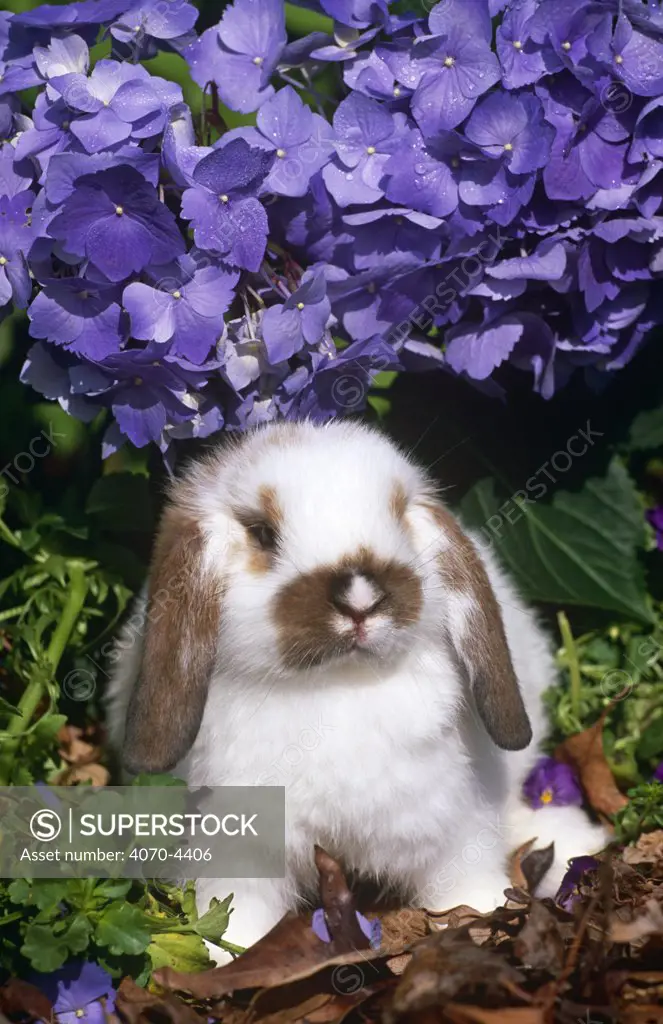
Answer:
(7, 535)
(572, 662)
(34, 691)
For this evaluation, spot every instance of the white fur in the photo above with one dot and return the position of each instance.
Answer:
(384, 759)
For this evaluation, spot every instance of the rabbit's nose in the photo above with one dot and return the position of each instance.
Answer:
(356, 595)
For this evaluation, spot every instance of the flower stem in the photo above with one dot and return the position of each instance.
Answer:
(34, 691)
(572, 662)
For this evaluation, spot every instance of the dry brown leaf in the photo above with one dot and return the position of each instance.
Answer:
(446, 964)
(459, 1013)
(539, 943)
(400, 928)
(291, 951)
(138, 1006)
(18, 998)
(647, 850)
(584, 752)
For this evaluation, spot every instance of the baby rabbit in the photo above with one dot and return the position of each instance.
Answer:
(323, 622)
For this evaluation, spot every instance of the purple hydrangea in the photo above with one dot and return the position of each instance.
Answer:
(476, 188)
(225, 214)
(551, 782)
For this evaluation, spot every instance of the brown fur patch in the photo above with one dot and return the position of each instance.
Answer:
(269, 505)
(182, 623)
(483, 651)
(398, 502)
(304, 612)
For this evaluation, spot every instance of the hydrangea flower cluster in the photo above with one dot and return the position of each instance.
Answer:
(485, 189)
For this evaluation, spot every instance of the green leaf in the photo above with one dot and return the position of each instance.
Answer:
(20, 891)
(186, 953)
(112, 889)
(647, 431)
(78, 933)
(124, 929)
(213, 924)
(579, 550)
(650, 743)
(45, 950)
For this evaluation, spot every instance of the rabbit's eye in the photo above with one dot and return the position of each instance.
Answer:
(264, 535)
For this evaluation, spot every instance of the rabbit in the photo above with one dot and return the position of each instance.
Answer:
(317, 618)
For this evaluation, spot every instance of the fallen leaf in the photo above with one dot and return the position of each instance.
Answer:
(446, 965)
(539, 943)
(400, 928)
(19, 998)
(647, 850)
(291, 950)
(459, 1013)
(138, 1006)
(584, 752)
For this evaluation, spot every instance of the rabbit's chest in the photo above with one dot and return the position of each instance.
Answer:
(354, 758)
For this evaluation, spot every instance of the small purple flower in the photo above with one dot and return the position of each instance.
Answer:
(371, 929)
(185, 302)
(300, 141)
(655, 520)
(154, 20)
(568, 892)
(115, 219)
(658, 774)
(511, 127)
(241, 52)
(551, 782)
(300, 320)
(523, 61)
(222, 206)
(367, 133)
(15, 239)
(79, 314)
(81, 993)
(118, 101)
(450, 68)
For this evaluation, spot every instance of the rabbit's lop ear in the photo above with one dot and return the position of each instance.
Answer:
(477, 634)
(180, 642)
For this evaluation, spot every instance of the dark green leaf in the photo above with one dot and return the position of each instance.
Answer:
(45, 950)
(651, 740)
(647, 431)
(124, 929)
(579, 550)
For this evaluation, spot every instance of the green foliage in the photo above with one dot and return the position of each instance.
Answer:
(643, 813)
(579, 549)
(118, 922)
